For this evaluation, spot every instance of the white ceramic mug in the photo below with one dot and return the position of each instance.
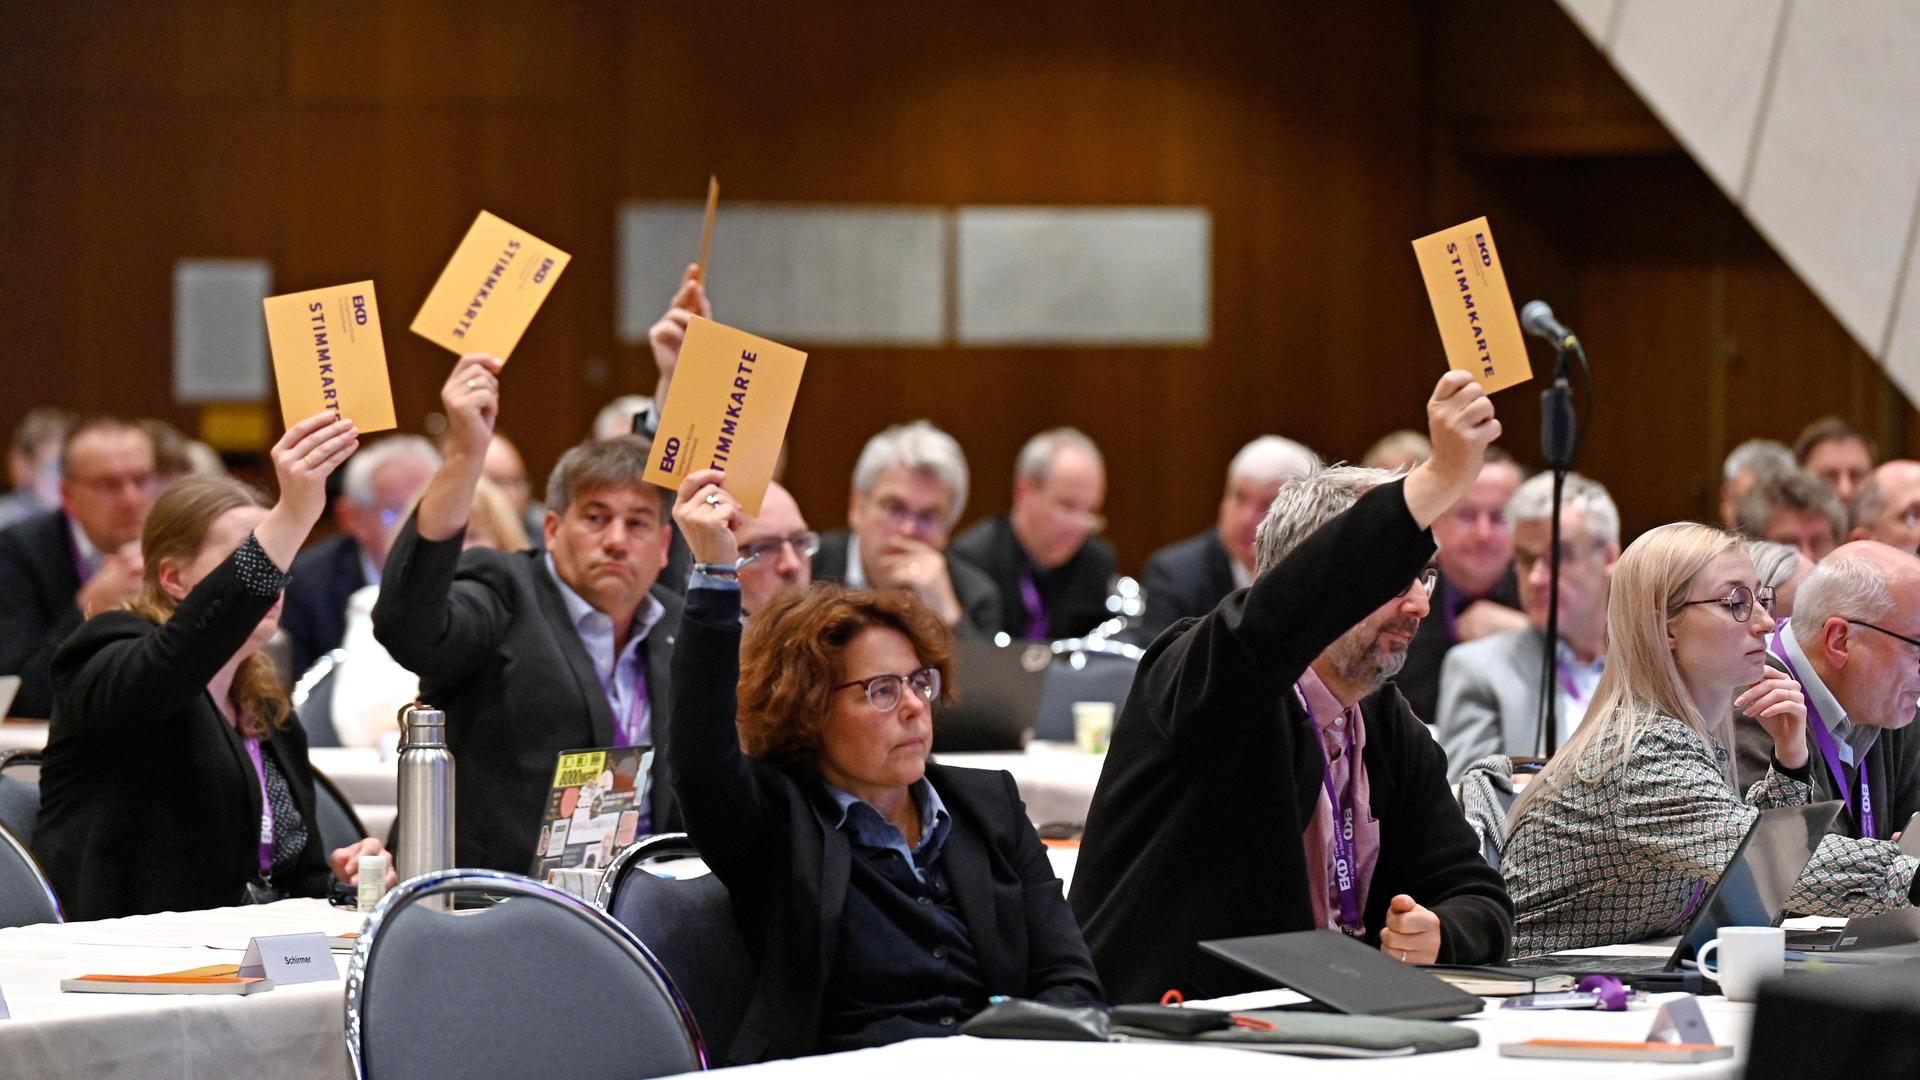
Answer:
(1745, 955)
(1093, 725)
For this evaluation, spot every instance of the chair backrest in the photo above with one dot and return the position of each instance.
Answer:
(337, 823)
(20, 793)
(539, 984)
(26, 896)
(312, 698)
(1486, 794)
(687, 921)
(1083, 671)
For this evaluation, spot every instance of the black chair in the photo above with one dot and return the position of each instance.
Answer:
(20, 793)
(26, 896)
(1083, 670)
(687, 920)
(338, 824)
(312, 698)
(1851, 1023)
(538, 984)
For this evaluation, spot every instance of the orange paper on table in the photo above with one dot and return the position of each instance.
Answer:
(1468, 288)
(491, 289)
(727, 409)
(327, 354)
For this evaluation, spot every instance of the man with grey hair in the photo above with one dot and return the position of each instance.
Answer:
(1053, 573)
(1490, 689)
(1887, 506)
(1187, 579)
(1265, 777)
(1854, 645)
(909, 489)
(379, 483)
(1745, 467)
(1793, 508)
(534, 653)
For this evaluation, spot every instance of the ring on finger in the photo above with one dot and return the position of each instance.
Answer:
(473, 384)
(712, 499)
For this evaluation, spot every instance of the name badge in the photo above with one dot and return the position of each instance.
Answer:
(289, 958)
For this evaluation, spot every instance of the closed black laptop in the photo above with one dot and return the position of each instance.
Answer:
(1345, 975)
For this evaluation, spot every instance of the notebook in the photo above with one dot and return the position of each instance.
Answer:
(1345, 975)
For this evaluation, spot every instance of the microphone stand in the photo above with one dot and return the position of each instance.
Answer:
(1559, 438)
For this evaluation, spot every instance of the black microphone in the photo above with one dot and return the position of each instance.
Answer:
(1536, 318)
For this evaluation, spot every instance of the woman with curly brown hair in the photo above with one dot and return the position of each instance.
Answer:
(882, 897)
(176, 775)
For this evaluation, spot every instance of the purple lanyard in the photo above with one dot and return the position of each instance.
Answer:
(1346, 853)
(626, 725)
(1038, 625)
(266, 808)
(1830, 752)
(1567, 684)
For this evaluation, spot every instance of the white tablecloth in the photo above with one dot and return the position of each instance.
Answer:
(1056, 780)
(23, 735)
(289, 1031)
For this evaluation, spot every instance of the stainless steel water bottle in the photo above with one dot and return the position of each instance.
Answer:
(425, 832)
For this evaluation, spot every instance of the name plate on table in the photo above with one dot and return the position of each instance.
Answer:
(327, 354)
(491, 289)
(289, 959)
(4, 1014)
(1471, 304)
(1679, 1021)
(727, 409)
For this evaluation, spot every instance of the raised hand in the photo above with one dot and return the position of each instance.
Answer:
(1461, 425)
(670, 331)
(708, 517)
(303, 459)
(471, 395)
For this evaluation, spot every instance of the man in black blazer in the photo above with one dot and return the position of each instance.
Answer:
(909, 488)
(61, 566)
(1187, 579)
(1264, 777)
(379, 483)
(1052, 572)
(532, 653)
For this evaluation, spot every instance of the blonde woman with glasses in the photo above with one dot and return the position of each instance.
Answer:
(1618, 838)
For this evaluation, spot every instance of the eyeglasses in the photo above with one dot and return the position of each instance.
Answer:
(1740, 601)
(1902, 637)
(900, 516)
(804, 544)
(884, 692)
(1428, 579)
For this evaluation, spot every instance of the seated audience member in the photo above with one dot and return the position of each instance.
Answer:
(1796, 509)
(1490, 689)
(882, 897)
(1851, 645)
(1887, 507)
(1190, 578)
(176, 774)
(1477, 596)
(507, 471)
(1836, 453)
(778, 547)
(369, 686)
(1616, 840)
(172, 458)
(1262, 750)
(33, 464)
(1744, 468)
(1052, 571)
(64, 566)
(909, 488)
(1781, 568)
(531, 654)
(1397, 451)
(380, 483)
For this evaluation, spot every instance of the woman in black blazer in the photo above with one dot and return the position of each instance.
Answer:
(175, 774)
(883, 898)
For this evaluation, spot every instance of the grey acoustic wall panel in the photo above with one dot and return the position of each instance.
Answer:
(806, 275)
(219, 330)
(1052, 275)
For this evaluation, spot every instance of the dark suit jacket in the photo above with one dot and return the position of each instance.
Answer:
(315, 616)
(767, 832)
(148, 801)
(1184, 580)
(1419, 678)
(1195, 830)
(1074, 594)
(38, 580)
(488, 634)
(979, 599)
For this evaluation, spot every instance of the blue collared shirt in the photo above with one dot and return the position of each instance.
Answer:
(870, 829)
(620, 677)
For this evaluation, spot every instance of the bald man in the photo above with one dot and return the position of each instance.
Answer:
(1854, 645)
(781, 547)
(1887, 506)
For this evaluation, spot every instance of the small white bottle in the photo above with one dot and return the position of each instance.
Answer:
(373, 883)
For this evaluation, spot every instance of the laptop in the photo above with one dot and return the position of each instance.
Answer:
(1901, 926)
(1751, 892)
(996, 696)
(1345, 975)
(593, 809)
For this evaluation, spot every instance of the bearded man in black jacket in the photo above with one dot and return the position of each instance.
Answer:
(1265, 777)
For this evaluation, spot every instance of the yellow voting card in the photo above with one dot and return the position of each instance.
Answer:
(327, 354)
(1468, 289)
(727, 409)
(495, 282)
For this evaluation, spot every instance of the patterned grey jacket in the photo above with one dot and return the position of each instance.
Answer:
(1618, 859)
